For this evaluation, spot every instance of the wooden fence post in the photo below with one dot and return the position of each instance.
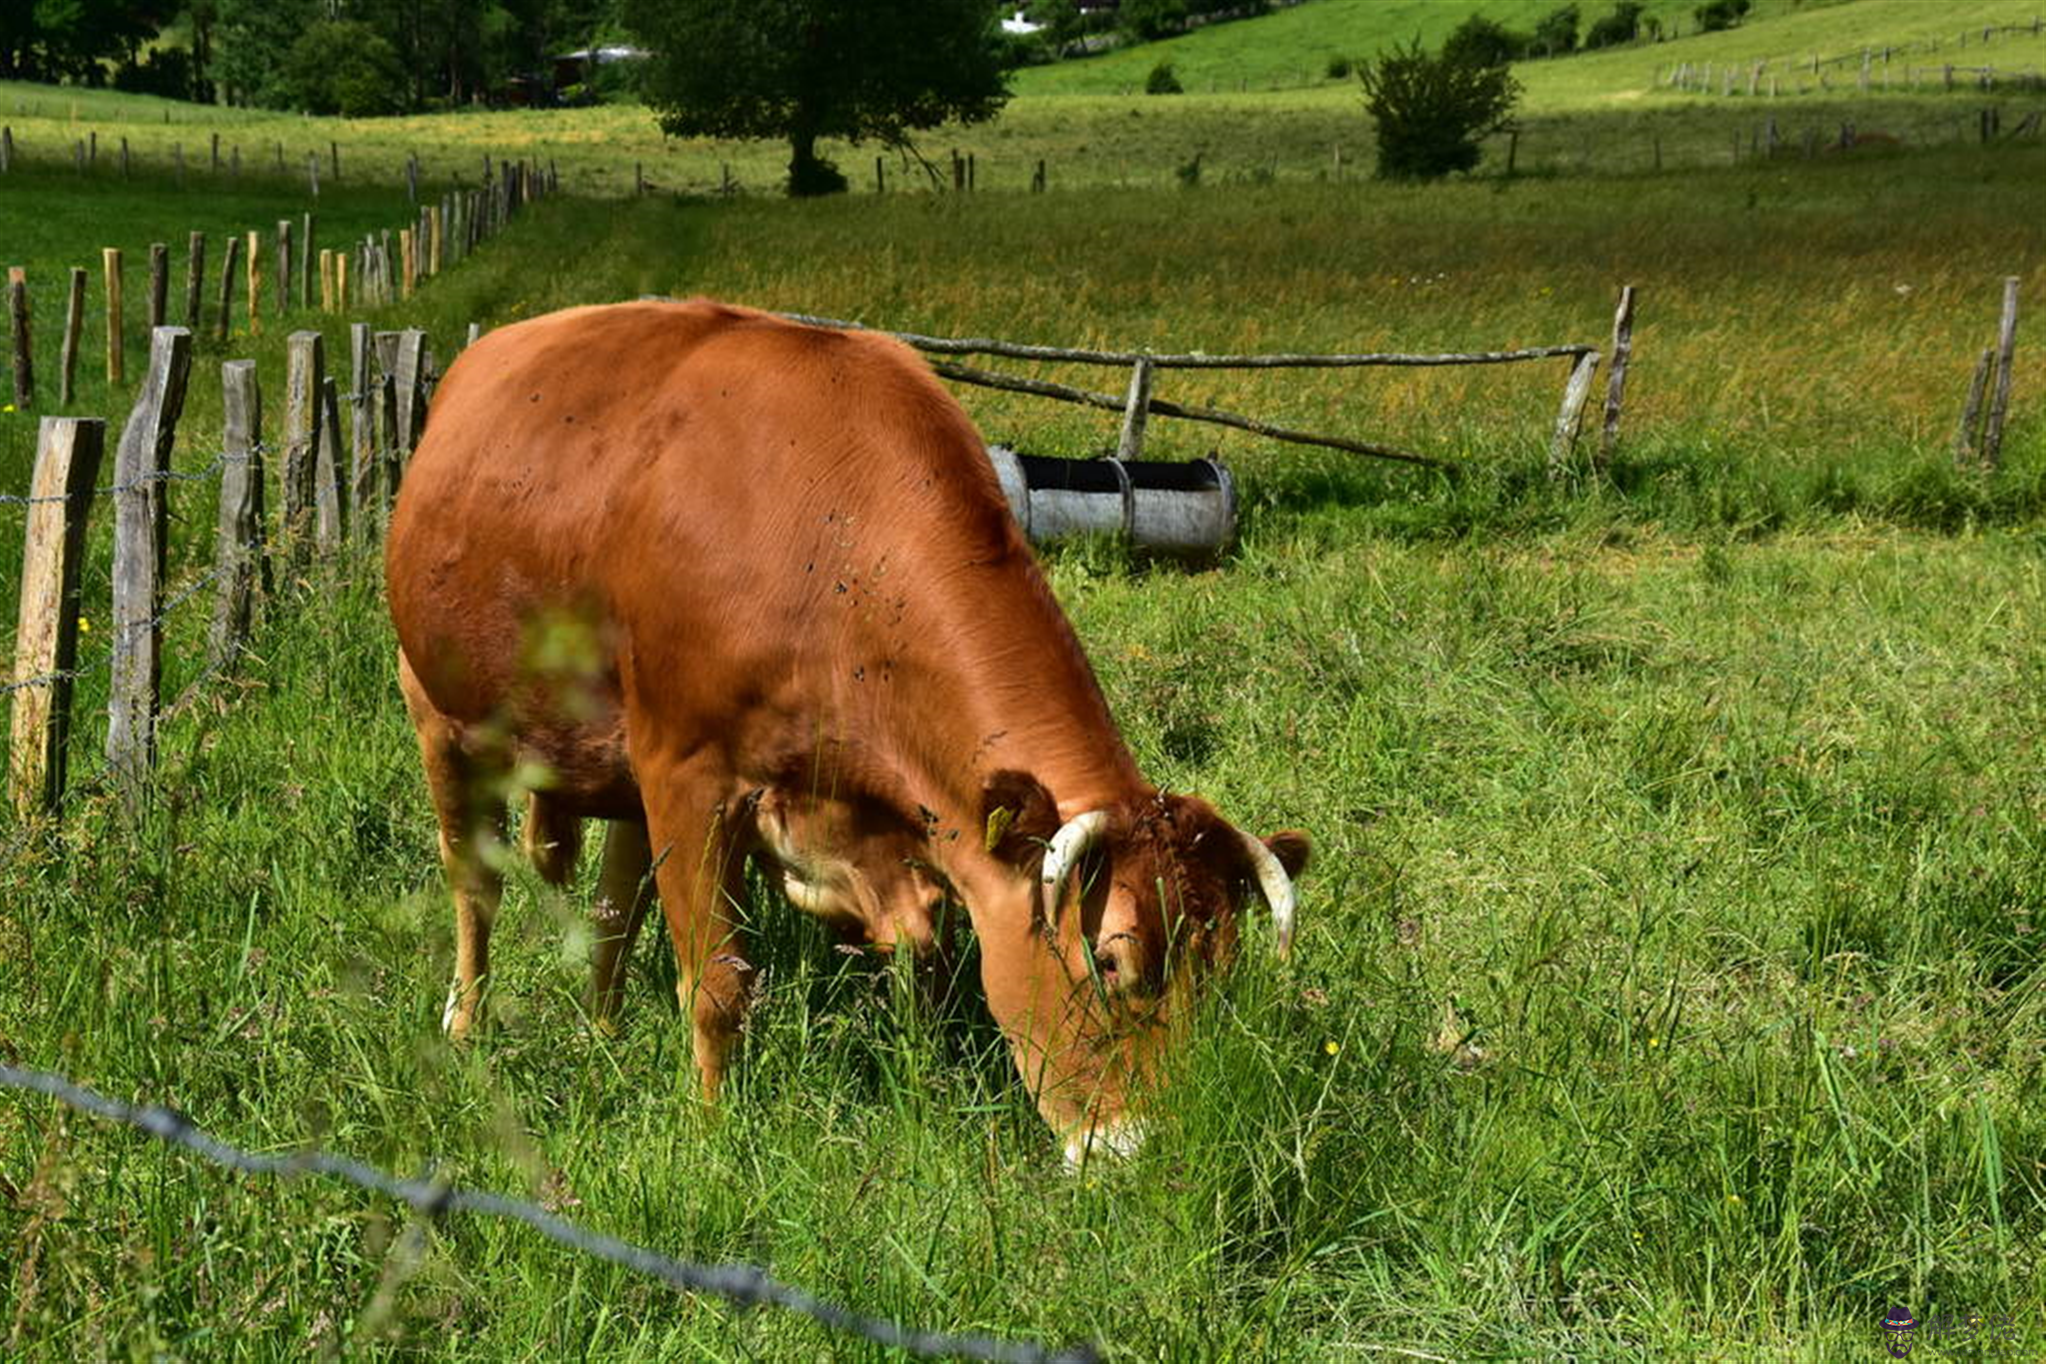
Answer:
(110, 267)
(2006, 344)
(386, 352)
(1616, 379)
(411, 404)
(240, 555)
(307, 246)
(1136, 413)
(74, 326)
(195, 279)
(306, 376)
(227, 273)
(68, 452)
(140, 509)
(284, 274)
(254, 265)
(330, 525)
(159, 284)
(24, 353)
(1571, 412)
(409, 265)
(362, 433)
(1964, 439)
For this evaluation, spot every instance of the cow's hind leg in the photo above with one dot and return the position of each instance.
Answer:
(465, 774)
(624, 890)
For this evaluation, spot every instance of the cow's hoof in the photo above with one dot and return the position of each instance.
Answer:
(1116, 1140)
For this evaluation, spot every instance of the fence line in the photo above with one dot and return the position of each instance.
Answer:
(326, 489)
(744, 1284)
(1140, 404)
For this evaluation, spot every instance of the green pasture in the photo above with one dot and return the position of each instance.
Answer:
(1247, 116)
(1671, 979)
(1292, 47)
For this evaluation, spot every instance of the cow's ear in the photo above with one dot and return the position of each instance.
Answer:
(1018, 816)
(1292, 847)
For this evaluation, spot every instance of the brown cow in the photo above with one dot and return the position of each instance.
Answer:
(742, 587)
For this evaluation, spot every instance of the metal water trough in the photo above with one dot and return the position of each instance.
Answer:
(1184, 510)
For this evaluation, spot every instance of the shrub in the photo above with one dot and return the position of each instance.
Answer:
(1163, 80)
(1338, 68)
(1432, 110)
(1623, 25)
(1147, 20)
(1720, 14)
(344, 67)
(1556, 33)
(1481, 40)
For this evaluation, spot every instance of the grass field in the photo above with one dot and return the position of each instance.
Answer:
(1671, 978)
(1248, 115)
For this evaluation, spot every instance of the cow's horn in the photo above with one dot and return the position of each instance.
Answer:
(1068, 846)
(1276, 886)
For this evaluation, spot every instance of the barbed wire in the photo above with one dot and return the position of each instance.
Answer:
(745, 1284)
(105, 660)
(211, 471)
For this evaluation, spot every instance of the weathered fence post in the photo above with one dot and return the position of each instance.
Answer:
(117, 351)
(284, 274)
(159, 284)
(227, 272)
(240, 555)
(2006, 344)
(386, 352)
(74, 327)
(411, 404)
(1136, 413)
(68, 452)
(362, 432)
(307, 246)
(305, 378)
(1616, 379)
(330, 524)
(195, 278)
(24, 353)
(140, 509)
(1571, 412)
(1964, 439)
(254, 264)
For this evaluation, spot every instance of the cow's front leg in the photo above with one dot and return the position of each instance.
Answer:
(699, 869)
(624, 890)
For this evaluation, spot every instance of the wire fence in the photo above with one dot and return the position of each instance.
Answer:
(744, 1284)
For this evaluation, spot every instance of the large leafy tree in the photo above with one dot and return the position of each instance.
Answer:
(1432, 110)
(805, 70)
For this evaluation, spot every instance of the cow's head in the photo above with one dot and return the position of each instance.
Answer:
(1137, 904)
(853, 862)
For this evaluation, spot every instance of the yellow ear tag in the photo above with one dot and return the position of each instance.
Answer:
(998, 821)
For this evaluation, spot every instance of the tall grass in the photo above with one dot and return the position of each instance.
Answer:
(1669, 979)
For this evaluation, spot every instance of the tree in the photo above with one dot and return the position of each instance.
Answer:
(1557, 32)
(1146, 20)
(1432, 110)
(811, 69)
(1623, 25)
(1720, 14)
(344, 67)
(1485, 41)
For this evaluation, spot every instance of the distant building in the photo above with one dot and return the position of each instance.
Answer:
(576, 68)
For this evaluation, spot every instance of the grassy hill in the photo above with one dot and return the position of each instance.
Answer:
(1291, 48)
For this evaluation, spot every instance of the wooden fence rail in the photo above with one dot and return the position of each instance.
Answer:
(1139, 404)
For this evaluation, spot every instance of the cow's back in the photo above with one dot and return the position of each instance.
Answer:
(718, 495)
